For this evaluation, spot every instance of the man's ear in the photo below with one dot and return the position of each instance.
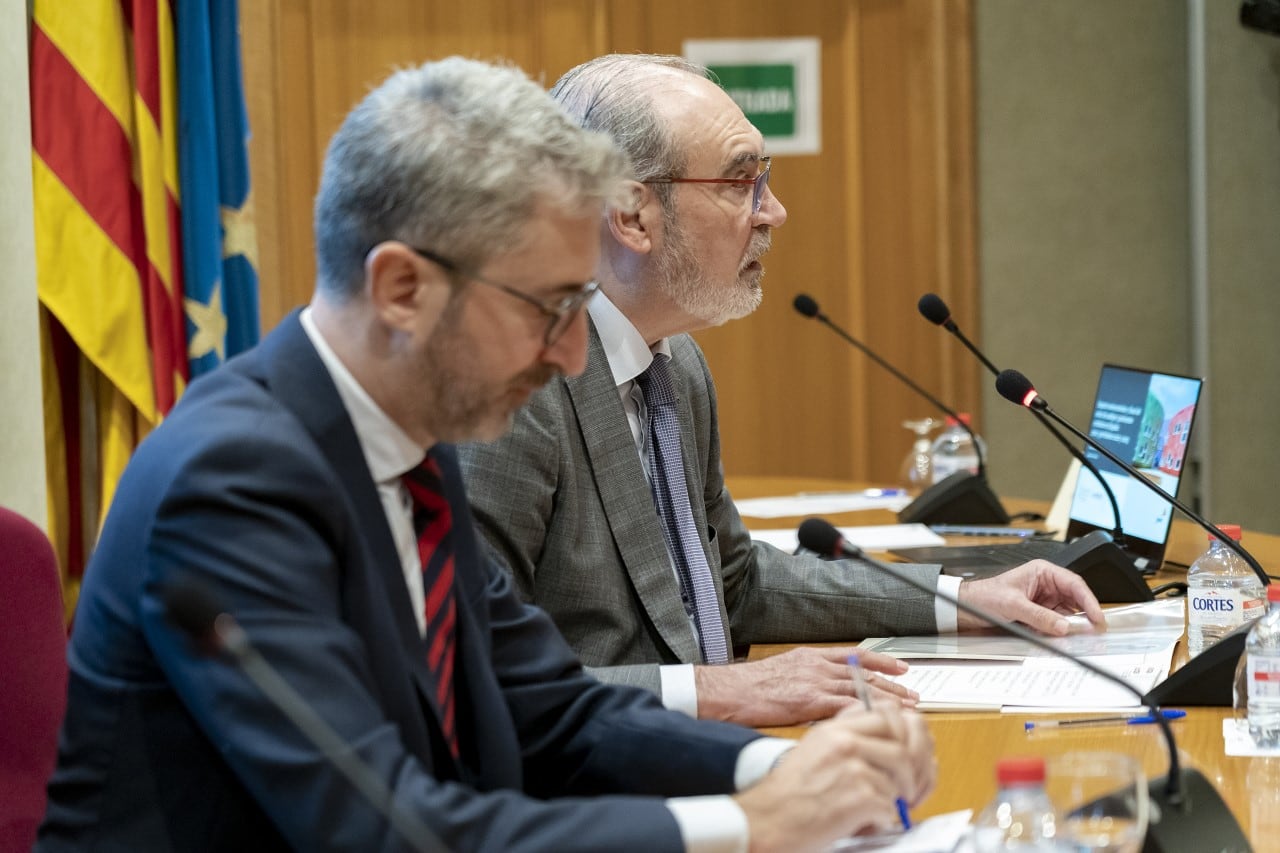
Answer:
(402, 285)
(636, 226)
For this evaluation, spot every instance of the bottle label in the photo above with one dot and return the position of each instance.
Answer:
(1264, 677)
(1222, 606)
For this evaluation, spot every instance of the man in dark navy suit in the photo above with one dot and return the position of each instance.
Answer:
(311, 483)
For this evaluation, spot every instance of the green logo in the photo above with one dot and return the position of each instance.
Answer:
(766, 93)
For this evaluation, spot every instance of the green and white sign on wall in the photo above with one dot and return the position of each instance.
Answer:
(775, 82)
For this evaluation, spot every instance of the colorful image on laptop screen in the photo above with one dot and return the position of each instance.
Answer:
(1145, 418)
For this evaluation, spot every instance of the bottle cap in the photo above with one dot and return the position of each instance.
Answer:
(1232, 530)
(964, 416)
(1023, 769)
(1273, 592)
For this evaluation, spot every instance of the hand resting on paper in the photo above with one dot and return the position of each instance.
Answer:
(798, 686)
(1037, 594)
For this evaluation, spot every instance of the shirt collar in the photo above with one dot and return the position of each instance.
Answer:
(388, 451)
(624, 347)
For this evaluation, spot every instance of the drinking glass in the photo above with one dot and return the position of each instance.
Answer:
(1101, 800)
(916, 473)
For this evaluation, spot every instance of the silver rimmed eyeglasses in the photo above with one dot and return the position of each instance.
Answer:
(560, 313)
(758, 183)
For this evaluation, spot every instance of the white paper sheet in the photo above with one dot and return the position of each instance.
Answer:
(868, 537)
(1236, 740)
(1135, 629)
(938, 834)
(823, 503)
(989, 670)
(986, 685)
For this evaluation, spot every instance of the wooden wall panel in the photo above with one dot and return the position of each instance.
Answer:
(881, 215)
(776, 371)
(918, 212)
(278, 48)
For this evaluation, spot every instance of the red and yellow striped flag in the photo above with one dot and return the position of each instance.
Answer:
(105, 167)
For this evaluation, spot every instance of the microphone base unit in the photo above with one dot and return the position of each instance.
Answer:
(962, 498)
(1110, 572)
(1208, 679)
(1202, 821)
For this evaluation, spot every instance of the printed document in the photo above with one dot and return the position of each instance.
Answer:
(988, 670)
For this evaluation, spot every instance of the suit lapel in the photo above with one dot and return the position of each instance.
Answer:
(300, 381)
(628, 503)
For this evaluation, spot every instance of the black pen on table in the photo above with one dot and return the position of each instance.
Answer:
(860, 690)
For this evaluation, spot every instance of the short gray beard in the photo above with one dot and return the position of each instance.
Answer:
(680, 275)
(460, 405)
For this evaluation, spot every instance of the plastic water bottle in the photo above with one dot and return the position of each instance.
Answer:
(1263, 783)
(1021, 817)
(1257, 687)
(953, 450)
(1222, 593)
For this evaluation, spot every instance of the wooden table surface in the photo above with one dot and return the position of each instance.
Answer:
(968, 744)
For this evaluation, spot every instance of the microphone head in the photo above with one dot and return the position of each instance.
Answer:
(819, 536)
(192, 607)
(934, 309)
(805, 304)
(1016, 388)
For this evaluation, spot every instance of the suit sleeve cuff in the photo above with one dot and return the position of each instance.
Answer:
(758, 758)
(945, 611)
(710, 824)
(718, 824)
(679, 691)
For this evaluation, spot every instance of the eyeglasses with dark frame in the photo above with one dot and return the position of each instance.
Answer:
(760, 181)
(561, 313)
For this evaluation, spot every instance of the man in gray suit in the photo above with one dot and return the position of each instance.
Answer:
(568, 497)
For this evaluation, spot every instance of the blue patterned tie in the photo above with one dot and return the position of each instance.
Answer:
(671, 495)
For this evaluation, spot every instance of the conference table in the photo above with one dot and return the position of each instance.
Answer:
(969, 744)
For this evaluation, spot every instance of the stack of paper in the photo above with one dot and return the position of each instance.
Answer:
(988, 671)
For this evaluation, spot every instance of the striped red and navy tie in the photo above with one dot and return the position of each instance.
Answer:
(433, 524)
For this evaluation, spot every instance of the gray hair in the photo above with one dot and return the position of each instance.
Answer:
(452, 156)
(614, 94)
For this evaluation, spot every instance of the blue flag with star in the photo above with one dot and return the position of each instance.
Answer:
(219, 249)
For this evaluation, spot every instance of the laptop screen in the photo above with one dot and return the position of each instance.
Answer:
(1145, 418)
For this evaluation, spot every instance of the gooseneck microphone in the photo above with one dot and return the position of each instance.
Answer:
(1209, 677)
(936, 311)
(933, 309)
(1188, 814)
(805, 304)
(962, 498)
(194, 609)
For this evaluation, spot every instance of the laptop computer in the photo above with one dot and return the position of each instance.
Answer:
(1145, 418)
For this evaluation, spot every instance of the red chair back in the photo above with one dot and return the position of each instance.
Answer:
(33, 676)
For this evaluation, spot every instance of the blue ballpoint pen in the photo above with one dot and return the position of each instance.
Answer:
(1141, 719)
(860, 690)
